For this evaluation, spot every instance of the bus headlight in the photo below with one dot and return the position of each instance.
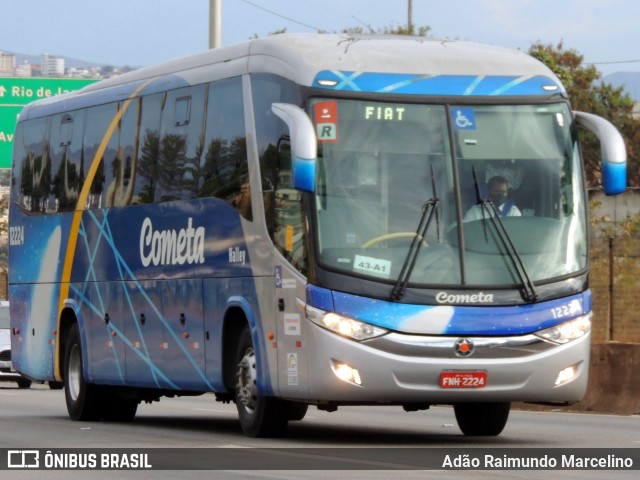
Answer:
(345, 326)
(568, 331)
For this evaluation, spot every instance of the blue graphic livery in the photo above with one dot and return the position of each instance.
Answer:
(458, 85)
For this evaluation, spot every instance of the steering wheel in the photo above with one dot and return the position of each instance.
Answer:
(391, 236)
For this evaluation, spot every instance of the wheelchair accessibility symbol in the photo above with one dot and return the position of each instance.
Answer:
(464, 118)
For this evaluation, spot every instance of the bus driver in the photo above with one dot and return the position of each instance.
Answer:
(498, 195)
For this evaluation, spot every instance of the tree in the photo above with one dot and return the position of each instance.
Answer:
(589, 94)
(171, 165)
(391, 30)
(148, 165)
(65, 185)
(421, 31)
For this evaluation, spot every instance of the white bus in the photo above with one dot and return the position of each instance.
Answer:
(284, 223)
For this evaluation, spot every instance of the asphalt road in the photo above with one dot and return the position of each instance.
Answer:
(37, 418)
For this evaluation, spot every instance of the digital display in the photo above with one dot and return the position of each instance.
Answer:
(394, 114)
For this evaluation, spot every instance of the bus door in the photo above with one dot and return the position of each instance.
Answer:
(292, 360)
(290, 283)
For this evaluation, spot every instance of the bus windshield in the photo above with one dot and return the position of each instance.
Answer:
(503, 183)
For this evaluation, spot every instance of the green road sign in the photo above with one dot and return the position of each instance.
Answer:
(15, 93)
(8, 117)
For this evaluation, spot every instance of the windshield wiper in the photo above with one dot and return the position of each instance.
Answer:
(528, 288)
(428, 210)
(482, 202)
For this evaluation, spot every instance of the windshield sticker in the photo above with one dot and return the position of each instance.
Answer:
(372, 266)
(464, 118)
(326, 118)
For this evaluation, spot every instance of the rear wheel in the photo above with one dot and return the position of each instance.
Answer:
(260, 416)
(119, 409)
(23, 383)
(482, 419)
(84, 401)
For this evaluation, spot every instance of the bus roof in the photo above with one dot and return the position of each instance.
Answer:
(302, 57)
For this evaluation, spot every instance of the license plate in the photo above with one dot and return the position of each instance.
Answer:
(463, 379)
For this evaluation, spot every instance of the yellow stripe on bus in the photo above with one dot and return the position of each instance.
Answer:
(77, 217)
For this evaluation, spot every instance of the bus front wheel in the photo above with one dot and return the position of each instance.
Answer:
(260, 416)
(119, 408)
(83, 399)
(482, 419)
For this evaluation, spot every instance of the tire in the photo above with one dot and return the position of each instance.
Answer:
(23, 383)
(296, 410)
(56, 385)
(120, 409)
(259, 416)
(84, 400)
(482, 419)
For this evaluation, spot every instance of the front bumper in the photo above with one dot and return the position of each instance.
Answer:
(400, 368)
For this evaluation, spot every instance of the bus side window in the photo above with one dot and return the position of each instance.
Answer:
(66, 158)
(120, 186)
(19, 158)
(266, 90)
(35, 177)
(224, 168)
(148, 150)
(181, 143)
(97, 123)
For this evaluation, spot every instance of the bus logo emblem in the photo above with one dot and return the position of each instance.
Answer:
(464, 347)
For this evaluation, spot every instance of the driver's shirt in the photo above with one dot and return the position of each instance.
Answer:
(477, 212)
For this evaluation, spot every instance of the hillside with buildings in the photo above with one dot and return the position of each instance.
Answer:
(46, 65)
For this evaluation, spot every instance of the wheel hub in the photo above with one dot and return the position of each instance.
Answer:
(246, 387)
(74, 373)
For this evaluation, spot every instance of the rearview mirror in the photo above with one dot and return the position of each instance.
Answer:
(613, 151)
(303, 145)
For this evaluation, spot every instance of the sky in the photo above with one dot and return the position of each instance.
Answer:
(145, 32)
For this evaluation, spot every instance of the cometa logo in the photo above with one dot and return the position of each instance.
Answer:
(171, 247)
(448, 298)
